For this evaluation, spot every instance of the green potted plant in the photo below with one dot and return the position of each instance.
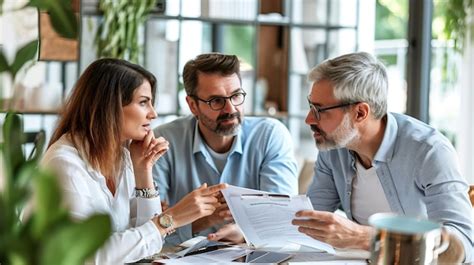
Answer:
(48, 235)
(117, 35)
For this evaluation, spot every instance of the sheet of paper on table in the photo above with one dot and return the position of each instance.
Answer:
(218, 256)
(265, 219)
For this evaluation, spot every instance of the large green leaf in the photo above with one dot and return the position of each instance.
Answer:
(5, 228)
(17, 259)
(48, 211)
(4, 66)
(40, 4)
(76, 242)
(23, 55)
(63, 19)
(64, 22)
(22, 185)
(13, 138)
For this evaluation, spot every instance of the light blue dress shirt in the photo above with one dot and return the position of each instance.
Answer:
(261, 157)
(419, 172)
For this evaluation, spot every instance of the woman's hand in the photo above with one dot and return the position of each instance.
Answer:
(144, 154)
(197, 204)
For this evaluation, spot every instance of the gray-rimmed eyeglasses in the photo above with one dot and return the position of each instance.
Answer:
(218, 103)
(317, 110)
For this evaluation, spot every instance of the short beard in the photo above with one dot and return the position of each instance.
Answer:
(218, 128)
(343, 136)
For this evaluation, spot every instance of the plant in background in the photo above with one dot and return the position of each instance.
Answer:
(63, 21)
(450, 26)
(455, 26)
(48, 235)
(24, 55)
(62, 17)
(117, 35)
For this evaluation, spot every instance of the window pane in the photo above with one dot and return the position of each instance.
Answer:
(444, 106)
(240, 40)
(228, 9)
(309, 11)
(162, 59)
(390, 46)
(342, 12)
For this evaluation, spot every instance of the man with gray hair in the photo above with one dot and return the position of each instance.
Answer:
(373, 161)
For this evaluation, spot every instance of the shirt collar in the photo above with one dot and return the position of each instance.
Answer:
(386, 149)
(199, 144)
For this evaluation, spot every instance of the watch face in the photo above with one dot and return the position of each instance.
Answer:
(166, 220)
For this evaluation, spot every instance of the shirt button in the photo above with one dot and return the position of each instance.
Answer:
(348, 193)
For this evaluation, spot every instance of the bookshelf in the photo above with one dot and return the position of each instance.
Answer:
(278, 41)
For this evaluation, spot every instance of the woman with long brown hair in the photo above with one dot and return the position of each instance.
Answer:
(103, 151)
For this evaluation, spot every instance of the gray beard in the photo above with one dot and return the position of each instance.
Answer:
(230, 131)
(343, 136)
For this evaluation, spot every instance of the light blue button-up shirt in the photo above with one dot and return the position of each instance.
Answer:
(419, 172)
(261, 157)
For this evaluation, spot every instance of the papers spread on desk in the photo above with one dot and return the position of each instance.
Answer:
(265, 218)
(200, 244)
(225, 255)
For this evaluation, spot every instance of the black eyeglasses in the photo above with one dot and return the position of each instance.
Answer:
(317, 110)
(218, 103)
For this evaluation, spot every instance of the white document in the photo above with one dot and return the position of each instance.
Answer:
(225, 255)
(265, 219)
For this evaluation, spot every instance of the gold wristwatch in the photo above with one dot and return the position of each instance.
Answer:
(166, 222)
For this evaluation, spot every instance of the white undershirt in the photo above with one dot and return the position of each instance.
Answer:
(219, 158)
(368, 196)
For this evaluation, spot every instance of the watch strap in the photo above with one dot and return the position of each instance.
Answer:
(146, 193)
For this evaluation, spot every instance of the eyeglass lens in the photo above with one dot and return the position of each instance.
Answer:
(218, 103)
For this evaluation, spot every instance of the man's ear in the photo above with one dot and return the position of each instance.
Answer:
(192, 104)
(362, 111)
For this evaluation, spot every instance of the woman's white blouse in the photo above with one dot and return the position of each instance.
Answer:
(85, 193)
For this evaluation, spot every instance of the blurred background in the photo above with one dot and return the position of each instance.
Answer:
(426, 45)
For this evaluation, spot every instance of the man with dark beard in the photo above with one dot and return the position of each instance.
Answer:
(373, 161)
(217, 145)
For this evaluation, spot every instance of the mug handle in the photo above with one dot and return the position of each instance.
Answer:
(444, 242)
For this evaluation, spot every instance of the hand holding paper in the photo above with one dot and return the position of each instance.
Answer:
(334, 229)
(265, 219)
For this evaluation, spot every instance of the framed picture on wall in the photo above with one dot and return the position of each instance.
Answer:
(52, 46)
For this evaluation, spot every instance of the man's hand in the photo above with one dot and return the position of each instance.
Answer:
(333, 229)
(220, 216)
(455, 252)
(229, 233)
(164, 206)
